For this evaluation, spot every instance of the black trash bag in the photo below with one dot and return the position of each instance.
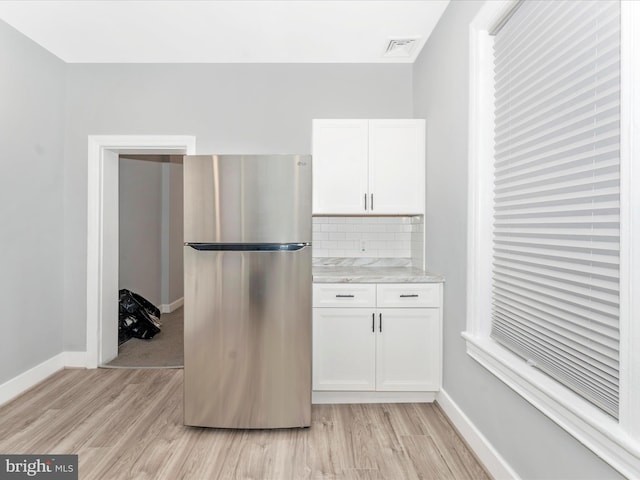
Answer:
(138, 317)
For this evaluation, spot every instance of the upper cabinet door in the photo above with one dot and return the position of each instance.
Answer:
(369, 167)
(340, 157)
(397, 166)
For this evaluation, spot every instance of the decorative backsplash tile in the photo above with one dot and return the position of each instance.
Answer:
(417, 240)
(381, 237)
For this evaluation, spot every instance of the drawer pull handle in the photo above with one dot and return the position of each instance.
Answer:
(380, 323)
(413, 295)
(373, 322)
(344, 296)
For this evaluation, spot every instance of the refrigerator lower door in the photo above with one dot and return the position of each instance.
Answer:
(247, 338)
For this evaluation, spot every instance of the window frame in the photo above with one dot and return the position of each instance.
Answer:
(616, 442)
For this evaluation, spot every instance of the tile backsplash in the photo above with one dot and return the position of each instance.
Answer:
(382, 237)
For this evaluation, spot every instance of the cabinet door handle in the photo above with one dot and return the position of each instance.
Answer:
(344, 296)
(380, 323)
(365, 201)
(373, 322)
(372, 202)
(413, 295)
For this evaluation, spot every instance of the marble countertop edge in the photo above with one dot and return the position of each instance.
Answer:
(362, 270)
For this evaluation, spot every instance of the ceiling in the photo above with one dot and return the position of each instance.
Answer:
(216, 31)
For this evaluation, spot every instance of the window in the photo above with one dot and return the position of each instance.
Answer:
(556, 187)
(551, 223)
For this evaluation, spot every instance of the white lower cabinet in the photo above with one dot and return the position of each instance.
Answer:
(373, 348)
(344, 348)
(408, 350)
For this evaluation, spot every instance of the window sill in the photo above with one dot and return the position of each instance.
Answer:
(588, 424)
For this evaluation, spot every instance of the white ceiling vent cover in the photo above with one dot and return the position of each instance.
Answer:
(400, 47)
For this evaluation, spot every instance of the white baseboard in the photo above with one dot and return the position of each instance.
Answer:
(173, 306)
(14, 387)
(318, 397)
(75, 359)
(490, 458)
(23, 382)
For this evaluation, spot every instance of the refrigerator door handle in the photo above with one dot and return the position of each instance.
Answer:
(247, 247)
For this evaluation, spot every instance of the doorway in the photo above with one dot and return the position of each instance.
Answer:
(151, 260)
(102, 231)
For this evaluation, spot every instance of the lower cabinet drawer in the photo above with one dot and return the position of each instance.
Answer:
(344, 295)
(417, 295)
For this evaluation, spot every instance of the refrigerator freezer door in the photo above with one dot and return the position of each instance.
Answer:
(247, 198)
(248, 338)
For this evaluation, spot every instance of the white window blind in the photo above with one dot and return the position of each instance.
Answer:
(555, 285)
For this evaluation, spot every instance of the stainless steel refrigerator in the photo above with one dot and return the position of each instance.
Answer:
(247, 299)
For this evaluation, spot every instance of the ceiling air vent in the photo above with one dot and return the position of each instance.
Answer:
(400, 47)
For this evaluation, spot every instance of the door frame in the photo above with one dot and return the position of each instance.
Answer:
(102, 230)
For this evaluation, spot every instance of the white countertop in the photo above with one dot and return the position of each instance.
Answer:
(370, 270)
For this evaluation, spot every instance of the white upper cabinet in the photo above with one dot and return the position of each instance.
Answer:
(370, 167)
(340, 165)
(396, 166)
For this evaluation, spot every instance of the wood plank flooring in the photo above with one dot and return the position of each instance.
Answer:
(127, 424)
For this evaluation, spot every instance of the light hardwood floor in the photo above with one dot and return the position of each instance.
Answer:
(128, 424)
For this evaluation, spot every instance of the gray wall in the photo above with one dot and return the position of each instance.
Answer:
(533, 445)
(31, 211)
(172, 265)
(150, 228)
(230, 108)
(140, 232)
